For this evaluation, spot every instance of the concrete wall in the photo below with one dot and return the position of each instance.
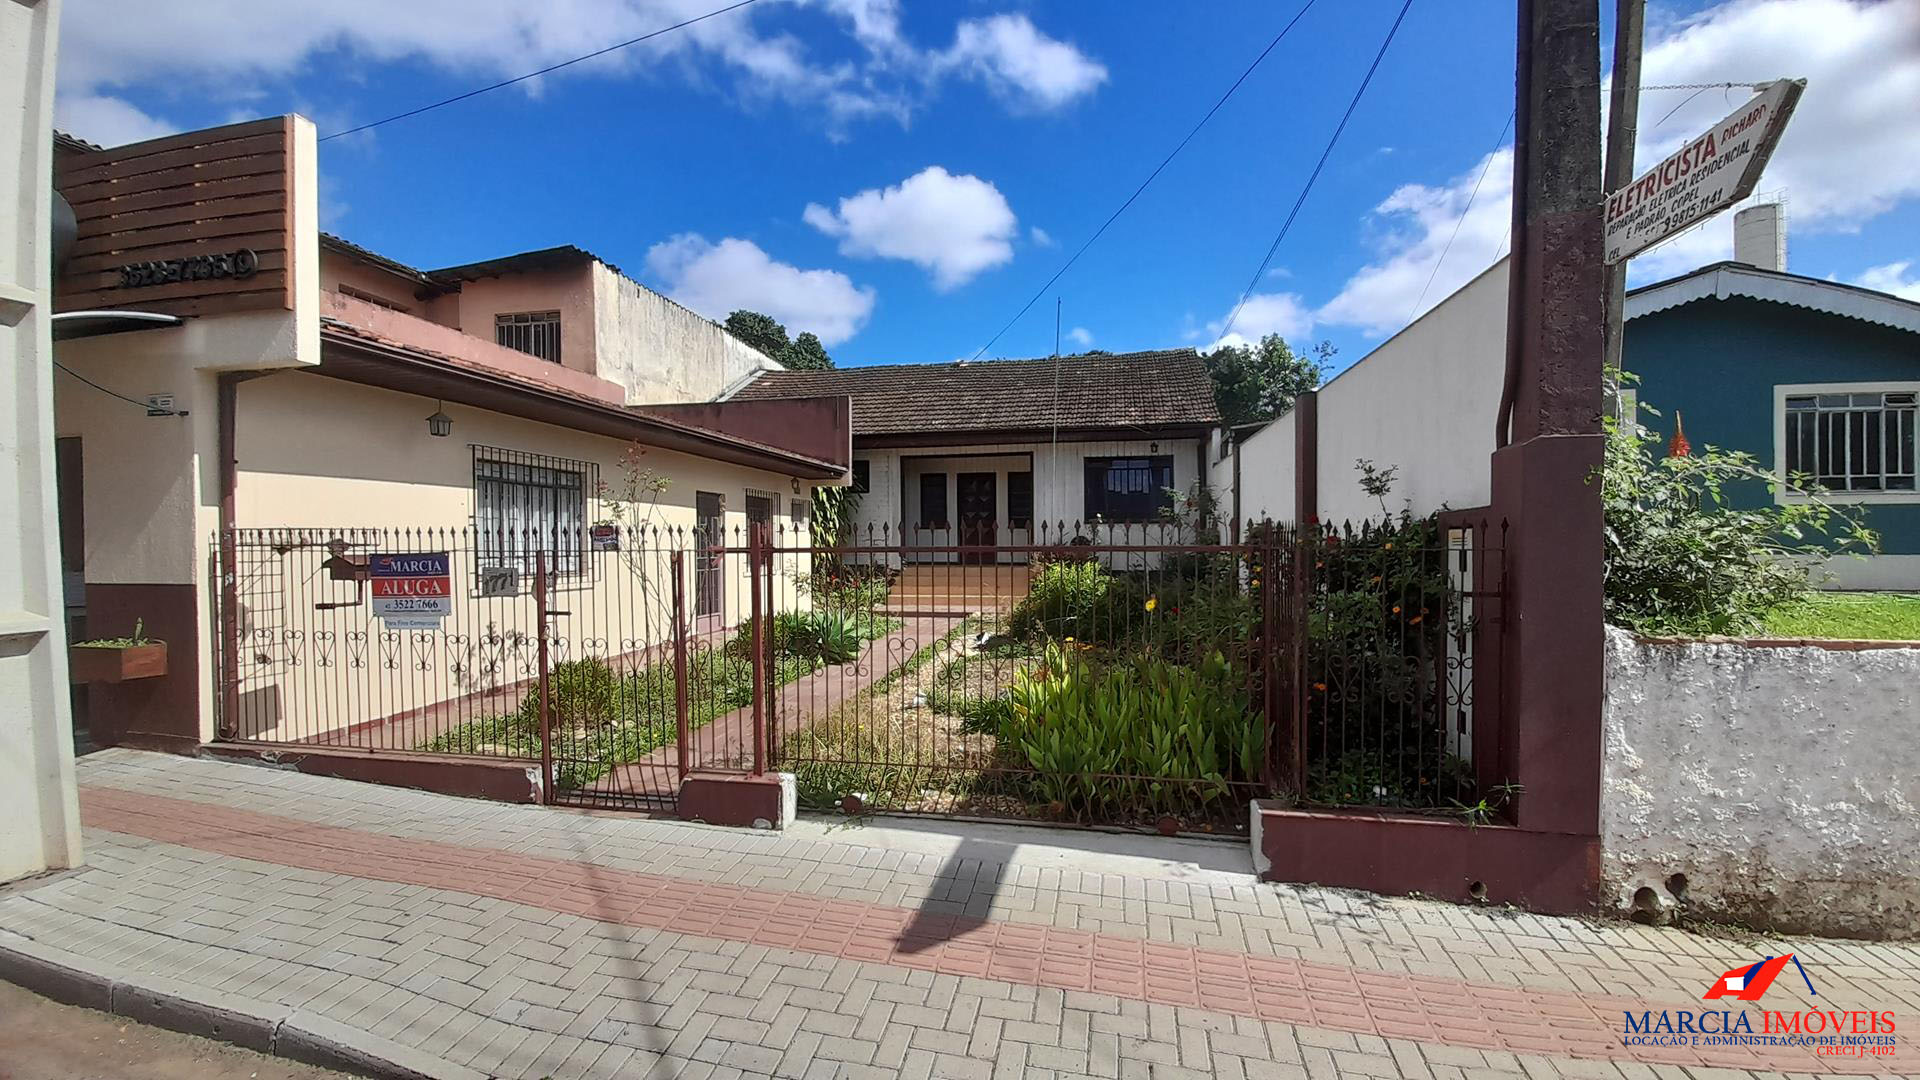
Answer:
(321, 454)
(572, 291)
(37, 796)
(1782, 782)
(1266, 473)
(661, 352)
(1423, 403)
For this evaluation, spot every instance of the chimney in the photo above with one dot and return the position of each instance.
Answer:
(1760, 236)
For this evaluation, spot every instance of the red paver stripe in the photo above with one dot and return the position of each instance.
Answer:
(1555, 1024)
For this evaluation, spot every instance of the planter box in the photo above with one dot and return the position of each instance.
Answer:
(116, 663)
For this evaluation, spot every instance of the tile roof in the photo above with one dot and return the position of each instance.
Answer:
(1160, 388)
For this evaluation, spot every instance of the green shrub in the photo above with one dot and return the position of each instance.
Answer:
(1141, 737)
(1077, 599)
(584, 693)
(1680, 559)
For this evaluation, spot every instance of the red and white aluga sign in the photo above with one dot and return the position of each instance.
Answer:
(1702, 178)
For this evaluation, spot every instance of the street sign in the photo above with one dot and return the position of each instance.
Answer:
(412, 591)
(1702, 178)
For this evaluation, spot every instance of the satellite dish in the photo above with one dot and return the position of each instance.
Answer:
(65, 229)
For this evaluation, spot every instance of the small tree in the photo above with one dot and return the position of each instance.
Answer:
(805, 354)
(1259, 382)
(1681, 560)
(763, 332)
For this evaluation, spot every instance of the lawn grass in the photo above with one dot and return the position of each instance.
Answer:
(1858, 616)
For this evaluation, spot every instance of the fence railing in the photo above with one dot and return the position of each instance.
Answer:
(1119, 674)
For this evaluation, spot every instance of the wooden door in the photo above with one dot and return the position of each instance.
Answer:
(979, 500)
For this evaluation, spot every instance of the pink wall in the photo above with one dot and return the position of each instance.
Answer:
(336, 271)
(568, 291)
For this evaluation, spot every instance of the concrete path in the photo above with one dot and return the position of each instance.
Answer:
(524, 942)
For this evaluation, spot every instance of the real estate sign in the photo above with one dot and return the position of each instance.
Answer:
(1702, 178)
(412, 591)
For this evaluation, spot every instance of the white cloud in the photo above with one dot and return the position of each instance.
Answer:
(1019, 63)
(112, 47)
(1285, 314)
(718, 279)
(952, 226)
(107, 121)
(1850, 153)
(1040, 236)
(1893, 277)
(1080, 336)
(1416, 223)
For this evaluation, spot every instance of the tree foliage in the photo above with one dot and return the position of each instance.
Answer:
(1681, 559)
(764, 332)
(1259, 382)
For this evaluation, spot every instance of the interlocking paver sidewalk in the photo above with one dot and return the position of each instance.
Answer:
(521, 941)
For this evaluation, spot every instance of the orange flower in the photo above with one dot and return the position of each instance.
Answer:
(1320, 686)
(1396, 609)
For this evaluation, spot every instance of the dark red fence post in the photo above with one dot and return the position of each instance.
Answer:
(546, 703)
(756, 565)
(680, 661)
(1300, 580)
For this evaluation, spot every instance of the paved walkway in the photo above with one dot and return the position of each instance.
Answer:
(524, 942)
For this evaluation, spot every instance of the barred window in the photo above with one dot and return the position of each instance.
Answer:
(1853, 442)
(1129, 489)
(536, 333)
(524, 503)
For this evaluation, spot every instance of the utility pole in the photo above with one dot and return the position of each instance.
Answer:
(1623, 124)
(1548, 435)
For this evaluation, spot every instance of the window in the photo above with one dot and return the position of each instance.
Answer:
(536, 333)
(799, 511)
(378, 301)
(933, 500)
(1020, 500)
(760, 512)
(524, 503)
(862, 476)
(709, 564)
(1129, 489)
(1852, 441)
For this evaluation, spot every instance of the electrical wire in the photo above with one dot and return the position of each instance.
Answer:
(1164, 162)
(543, 71)
(1463, 215)
(1227, 326)
(151, 411)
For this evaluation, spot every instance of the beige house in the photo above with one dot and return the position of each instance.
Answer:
(248, 409)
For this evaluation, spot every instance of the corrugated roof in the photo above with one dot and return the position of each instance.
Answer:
(1161, 388)
(1723, 279)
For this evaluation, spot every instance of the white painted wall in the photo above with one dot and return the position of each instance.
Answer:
(39, 813)
(1423, 402)
(1059, 478)
(661, 352)
(1266, 473)
(1783, 782)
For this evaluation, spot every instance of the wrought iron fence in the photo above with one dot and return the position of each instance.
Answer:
(1115, 674)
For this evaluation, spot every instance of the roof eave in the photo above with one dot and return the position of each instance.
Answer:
(371, 363)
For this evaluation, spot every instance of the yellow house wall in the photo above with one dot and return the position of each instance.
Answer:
(333, 457)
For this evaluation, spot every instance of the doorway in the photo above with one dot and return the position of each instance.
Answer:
(978, 496)
(709, 561)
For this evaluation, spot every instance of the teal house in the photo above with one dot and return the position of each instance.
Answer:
(1807, 375)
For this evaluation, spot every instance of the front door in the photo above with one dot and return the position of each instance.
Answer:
(978, 508)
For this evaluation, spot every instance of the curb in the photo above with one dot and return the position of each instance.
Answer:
(163, 1002)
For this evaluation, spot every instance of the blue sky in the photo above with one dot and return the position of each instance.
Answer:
(901, 178)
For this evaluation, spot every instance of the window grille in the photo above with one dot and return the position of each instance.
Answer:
(1853, 442)
(524, 503)
(536, 333)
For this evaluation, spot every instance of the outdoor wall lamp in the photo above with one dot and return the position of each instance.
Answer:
(796, 485)
(439, 425)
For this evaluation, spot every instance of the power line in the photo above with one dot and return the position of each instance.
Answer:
(1164, 162)
(114, 393)
(543, 71)
(1321, 164)
(1435, 272)
(1705, 86)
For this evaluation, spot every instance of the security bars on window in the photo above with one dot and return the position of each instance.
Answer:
(1853, 442)
(523, 503)
(536, 333)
